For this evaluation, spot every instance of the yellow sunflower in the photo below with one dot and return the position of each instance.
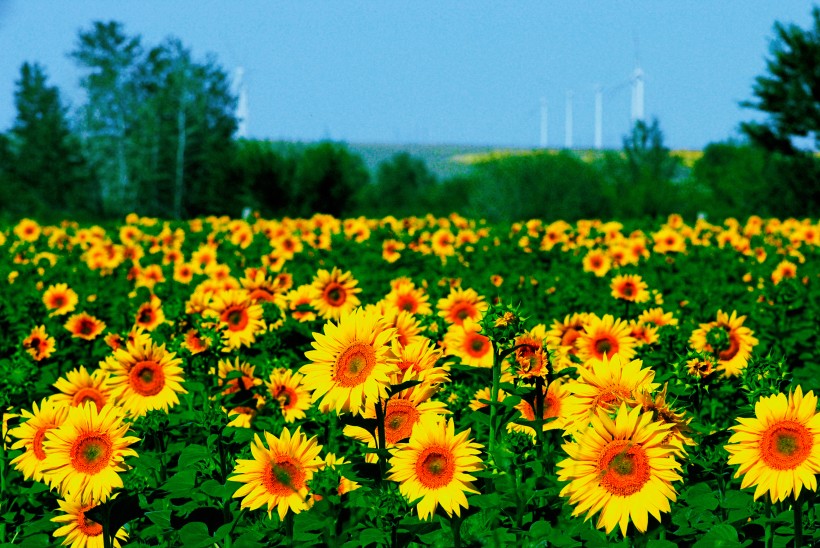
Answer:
(629, 287)
(299, 303)
(239, 317)
(31, 433)
(728, 340)
(621, 468)
(277, 475)
(286, 389)
(39, 344)
(435, 465)
(86, 453)
(554, 407)
(604, 338)
(421, 357)
(351, 362)
(407, 297)
(606, 384)
(150, 315)
(334, 293)
(467, 343)
(144, 377)
(84, 326)
(79, 531)
(779, 450)
(597, 261)
(79, 388)
(658, 317)
(461, 305)
(60, 299)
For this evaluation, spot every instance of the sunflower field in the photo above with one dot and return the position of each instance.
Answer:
(420, 381)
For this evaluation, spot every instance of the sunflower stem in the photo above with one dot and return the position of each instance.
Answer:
(769, 538)
(497, 357)
(797, 509)
(289, 528)
(538, 406)
(455, 525)
(380, 433)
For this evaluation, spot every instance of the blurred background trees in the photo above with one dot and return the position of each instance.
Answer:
(155, 135)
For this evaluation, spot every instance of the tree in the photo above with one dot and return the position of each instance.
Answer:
(790, 92)
(266, 174)
(404, 186)
(46, 159)
(328, 178)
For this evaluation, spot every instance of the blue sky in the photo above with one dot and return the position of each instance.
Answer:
(438, 72)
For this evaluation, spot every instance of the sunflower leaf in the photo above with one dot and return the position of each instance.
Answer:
(391, 390)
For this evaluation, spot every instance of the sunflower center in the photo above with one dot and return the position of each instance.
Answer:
(236, 317)
(146, 315)
(731, 352)
(624, 468)
(335, 294)
(284, 476)
(399, 419)
(88, 394)
(628, 289)
(606, 346)
(407, 303)
(354, 364)
(286, 397)
(147, 378)
(86, 327)
(86, 526)
(91, 452)
(35, 343)
(58, 301)
(461, 312)
(569, 337)
(435, 467)
(786, 444)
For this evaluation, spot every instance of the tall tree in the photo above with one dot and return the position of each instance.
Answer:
(790, 92)
(109, 56)
(48, 164)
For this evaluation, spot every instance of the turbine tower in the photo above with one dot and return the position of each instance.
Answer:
(568, 122)
(544, 120)
(637, 95)
(599, 117)
(241, 104)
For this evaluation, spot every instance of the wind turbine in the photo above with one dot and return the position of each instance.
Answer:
(637, 87)
(241, 104)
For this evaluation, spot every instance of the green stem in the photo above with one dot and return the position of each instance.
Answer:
(538, 406)
(797, 509)
(770, 526)
(381, 440)
(455, 525)
(289, 528)
(497, 358)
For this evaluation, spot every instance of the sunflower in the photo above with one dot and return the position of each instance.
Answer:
(195, 343)
(334, 293)
(680, 434)
(461, 305)
(351, 362)
(31, 433)
(85, 454)
(240, 318)
(60, 299)
(468, 344)
(629, 287)
(483, 395)
(728, 340)
(39, 344)
(597, 261)
(84, 326)
(407, 297)
(79, 531)
(553, 408)
(299, 305)
(778, 450)
(286, 389)
(277, 475)
(403, 411)
(144, 377)
(345, 485)
(150, 314)
(78, 388)
(621, 468)
(420, 357)
(604, 338)
(435, 466)
(658, 317)
(643, 333)
(667, 240)
(563, 337)
(784, 269)
(606, 384)
(531, 359)
(391, 250)
(27, 230)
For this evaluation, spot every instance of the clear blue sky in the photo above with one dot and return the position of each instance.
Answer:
(468, 72)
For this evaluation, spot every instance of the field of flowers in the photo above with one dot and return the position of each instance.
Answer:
(409, 382)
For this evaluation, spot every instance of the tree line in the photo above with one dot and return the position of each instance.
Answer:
(155, 136)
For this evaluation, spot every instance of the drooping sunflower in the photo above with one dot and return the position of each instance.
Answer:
(334, 293)
(39, 344)
(31, 433)
(728, 340)
(240, 318)
(79, 531)
(621, 468)
(85, 455)
(605, 337)
(277, 475)
(629, 287)
(530, 358)
(421, 357)
(84, 326)
(606, 384)
(144, 376)
(779, 450)
(351, 362)
(461, 305)
(60, 299)
(78, 388)
(679, 435)
(435, 466)
(285, 387)
(467, 343)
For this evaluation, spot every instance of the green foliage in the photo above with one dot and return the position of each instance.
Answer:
(327, 179)
(404, 186)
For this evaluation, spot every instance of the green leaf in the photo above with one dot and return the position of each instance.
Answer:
(540, 530)
(658, 543)
(191, 455)
(180, 483)
(720, 535)
(195, 535)
(36, 541)
(250, 540)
